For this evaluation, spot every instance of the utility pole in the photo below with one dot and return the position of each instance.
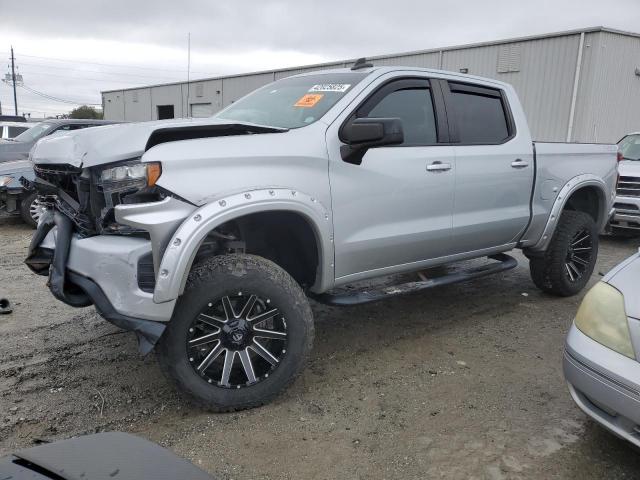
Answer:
(13, 80)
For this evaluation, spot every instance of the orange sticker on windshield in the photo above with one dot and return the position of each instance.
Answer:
(309, 100)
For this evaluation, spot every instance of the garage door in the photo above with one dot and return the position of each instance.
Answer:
(200, 110)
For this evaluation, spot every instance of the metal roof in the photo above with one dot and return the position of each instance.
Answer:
(388, 55)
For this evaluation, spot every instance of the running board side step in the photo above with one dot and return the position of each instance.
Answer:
(358, 297)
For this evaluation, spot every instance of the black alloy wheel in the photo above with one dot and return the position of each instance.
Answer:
(579, 255)
(239, 335)
(237, 340)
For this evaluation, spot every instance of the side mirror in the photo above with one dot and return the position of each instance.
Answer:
(362, 134)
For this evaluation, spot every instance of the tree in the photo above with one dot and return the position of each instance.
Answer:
(86, 112)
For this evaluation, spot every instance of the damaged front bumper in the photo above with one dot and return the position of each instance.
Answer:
(110, 272)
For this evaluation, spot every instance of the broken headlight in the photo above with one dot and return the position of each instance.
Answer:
(125, 174)
(122, 183)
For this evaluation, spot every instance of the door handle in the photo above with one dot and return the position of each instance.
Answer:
(519, 163)
(438, 166)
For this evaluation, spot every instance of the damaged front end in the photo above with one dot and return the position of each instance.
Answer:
(80, 206)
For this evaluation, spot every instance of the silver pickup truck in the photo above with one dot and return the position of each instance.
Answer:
(206, 237)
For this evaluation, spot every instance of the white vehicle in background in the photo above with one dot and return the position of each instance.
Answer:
(627, 205)
(9, 130)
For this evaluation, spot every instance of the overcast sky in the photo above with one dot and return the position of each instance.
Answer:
(73, 49)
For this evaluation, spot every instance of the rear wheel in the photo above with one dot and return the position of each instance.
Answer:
(31, 209)
(239, 335)
(569, 260)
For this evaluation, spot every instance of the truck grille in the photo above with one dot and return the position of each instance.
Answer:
(629, 186)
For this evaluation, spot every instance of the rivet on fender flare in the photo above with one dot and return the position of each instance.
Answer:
(247, 196)
(222, 203)
(197, 218)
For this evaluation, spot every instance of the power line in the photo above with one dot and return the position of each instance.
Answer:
(40, 65)
(56, 99)
(114, 64)
(112, 80)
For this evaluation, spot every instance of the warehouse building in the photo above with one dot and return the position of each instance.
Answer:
(581, 85)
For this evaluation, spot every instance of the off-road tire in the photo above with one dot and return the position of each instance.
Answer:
(549, 271)
(220, 276)
(25, 209)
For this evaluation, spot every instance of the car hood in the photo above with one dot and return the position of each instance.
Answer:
(629, 168)
(15, 167)
(14, 151)
(113, 143)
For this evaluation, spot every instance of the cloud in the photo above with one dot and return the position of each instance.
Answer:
(248, 35)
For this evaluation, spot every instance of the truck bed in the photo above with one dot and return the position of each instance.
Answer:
(557, 166)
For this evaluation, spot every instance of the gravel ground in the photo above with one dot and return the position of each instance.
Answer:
(464, 381)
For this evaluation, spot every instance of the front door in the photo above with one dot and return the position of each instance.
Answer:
(395, 208)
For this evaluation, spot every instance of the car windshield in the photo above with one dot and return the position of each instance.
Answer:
(34, 133)
(629, 146)
(292, 102)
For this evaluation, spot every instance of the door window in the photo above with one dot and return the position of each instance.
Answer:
(480, 115)
(415, 108)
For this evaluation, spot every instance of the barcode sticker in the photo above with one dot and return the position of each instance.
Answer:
(330, 87)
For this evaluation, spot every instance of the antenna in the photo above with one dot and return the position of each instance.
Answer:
(188, 69)
(361, 63)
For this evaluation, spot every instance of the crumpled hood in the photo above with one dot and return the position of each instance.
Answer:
(629, 168)
(113, 143)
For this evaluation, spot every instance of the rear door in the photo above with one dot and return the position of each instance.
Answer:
(494, 168)
(394, 208)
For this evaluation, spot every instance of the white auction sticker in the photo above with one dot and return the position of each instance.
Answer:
(330, 87)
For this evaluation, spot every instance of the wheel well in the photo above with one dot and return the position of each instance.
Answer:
(285, 238)
(586, 199)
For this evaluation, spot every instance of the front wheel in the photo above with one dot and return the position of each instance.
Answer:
(569, 261)
(239, 335)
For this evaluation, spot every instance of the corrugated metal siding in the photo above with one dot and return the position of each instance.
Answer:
(113, 103)
(541, 70)
(544, 81)
(422, 60)
(206, 91)
(609, 95)
(167, 95)
(237, 87)
(138, 105)
(296, 71)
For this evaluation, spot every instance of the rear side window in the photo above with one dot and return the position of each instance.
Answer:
(480, 114)
(415, 108)
(15, 131)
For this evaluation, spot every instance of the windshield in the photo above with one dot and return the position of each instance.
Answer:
(292, 102)
(629, 146)
(34, 133)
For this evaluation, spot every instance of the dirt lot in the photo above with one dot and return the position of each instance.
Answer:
(460, 382)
